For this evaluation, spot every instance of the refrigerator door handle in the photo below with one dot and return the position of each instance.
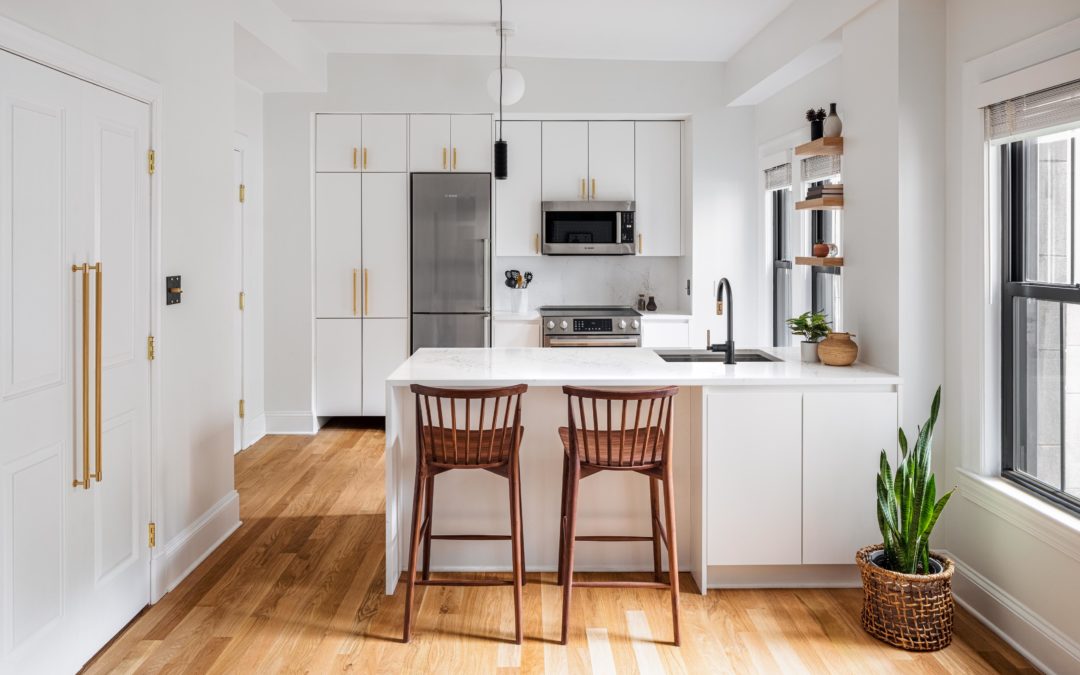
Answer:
(487, 331)
(487, 274)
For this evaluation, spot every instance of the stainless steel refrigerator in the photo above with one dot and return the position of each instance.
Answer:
(451, 258)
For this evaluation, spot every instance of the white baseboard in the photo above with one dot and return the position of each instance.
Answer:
(254, 429)
(1050, 650)
(302, 422)
(183, 552)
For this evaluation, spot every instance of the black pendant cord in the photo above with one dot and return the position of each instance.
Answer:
(502, 45)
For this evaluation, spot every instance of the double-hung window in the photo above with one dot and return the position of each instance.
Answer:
(1034, 140)
(778, 195)
(825, 282)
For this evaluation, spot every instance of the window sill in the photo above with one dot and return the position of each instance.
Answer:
(1044, 521)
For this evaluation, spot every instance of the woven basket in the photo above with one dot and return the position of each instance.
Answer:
(910, 611)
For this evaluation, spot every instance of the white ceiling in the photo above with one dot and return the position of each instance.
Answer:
(655, 30)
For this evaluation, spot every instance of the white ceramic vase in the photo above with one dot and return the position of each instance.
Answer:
(833, 126)
(808, 351)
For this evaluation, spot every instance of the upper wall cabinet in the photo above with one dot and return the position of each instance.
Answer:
(565, 160)
(611, 160)
(360, 143)
(450, 143)
(588, 160)
(517, 199)
(658, 181)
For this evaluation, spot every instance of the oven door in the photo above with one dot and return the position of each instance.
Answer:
(592, 340)
(588, 228)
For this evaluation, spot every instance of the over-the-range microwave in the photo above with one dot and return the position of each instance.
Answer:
(588, 228)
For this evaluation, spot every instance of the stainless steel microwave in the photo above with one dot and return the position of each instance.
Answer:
(588, 228)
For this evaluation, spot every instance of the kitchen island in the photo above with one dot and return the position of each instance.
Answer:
(774, 466)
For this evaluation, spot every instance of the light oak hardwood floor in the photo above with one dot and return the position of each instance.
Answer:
(299, 589)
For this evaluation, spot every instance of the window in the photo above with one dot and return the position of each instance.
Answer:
(778, 190)
(825, 282)
(1040, 309)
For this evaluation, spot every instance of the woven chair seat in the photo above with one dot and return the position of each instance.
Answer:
(630, 448)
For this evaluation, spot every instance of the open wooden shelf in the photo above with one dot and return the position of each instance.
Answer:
(820, 204)
(819, 262)
(822, 146)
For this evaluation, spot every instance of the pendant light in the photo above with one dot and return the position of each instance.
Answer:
(500, 145)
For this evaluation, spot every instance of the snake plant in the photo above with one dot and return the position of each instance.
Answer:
(906, 506)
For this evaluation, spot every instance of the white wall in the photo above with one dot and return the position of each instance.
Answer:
(721, 158)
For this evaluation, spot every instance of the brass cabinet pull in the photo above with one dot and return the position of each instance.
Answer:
(97, 372)
(583, 188)
(453, 164)
(85, 482)
(354, 158)
(536, 243)
(365, 159)
(444, 157)
(354, 292)
(640, 243)
(594, 188)
(366, 287)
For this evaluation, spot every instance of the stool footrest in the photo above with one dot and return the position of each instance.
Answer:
(472, 537)
(611, 537)
(463, 582)
(619, 584)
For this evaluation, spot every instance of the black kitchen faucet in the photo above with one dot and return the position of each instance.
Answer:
(727, 347)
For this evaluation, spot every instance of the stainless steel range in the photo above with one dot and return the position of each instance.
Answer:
(591, 326)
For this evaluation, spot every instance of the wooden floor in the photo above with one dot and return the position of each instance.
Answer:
(299, 588)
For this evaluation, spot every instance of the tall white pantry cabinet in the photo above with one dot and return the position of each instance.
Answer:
(361, 260)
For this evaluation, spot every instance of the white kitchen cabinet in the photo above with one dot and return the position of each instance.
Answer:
(338, 139)
(470, 143)
(658, 182)
(339, 367)
(843, 435)
(565, 157)
(338, 244)
(386, 346)
(611, 161)
(665, 333)
(516, 333)
(384, 143)
(754, 468)
(517, 199)
(385, 275)
(429, 143)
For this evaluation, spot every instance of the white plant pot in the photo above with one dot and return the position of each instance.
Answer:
(809, 352)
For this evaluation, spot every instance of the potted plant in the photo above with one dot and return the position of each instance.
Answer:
(812, 326)
(907, 589)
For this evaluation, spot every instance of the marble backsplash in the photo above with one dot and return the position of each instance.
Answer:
(592, 280)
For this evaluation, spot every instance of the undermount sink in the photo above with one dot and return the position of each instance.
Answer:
(706, 356)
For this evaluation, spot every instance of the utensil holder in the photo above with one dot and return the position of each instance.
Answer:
(519, 301)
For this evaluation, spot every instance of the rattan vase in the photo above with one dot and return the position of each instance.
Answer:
(910, 611)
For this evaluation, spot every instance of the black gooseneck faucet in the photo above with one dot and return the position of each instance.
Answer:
(727, 347)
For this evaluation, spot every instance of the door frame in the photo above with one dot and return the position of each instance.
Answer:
(38, 47)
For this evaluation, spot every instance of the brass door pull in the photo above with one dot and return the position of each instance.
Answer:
(444, 158)
(86, 268)
(536, 243)
(583, 195)
(453, 164)
(354, 158)
(365, 159)
(640, 243)
(594, 188)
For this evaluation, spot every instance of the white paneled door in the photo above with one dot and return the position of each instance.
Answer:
(74, 378)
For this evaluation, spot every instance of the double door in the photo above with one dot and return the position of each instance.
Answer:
(360, 143)
(74, 377)
(588, 160)
(450, 143)
(361, 278)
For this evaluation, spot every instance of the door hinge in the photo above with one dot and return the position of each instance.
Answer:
(150, 348)
(150, 165)
(243, 189)
(151, 535)
(241, 301)
(241, 408)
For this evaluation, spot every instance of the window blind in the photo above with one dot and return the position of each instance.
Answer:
(1044, 109)
(820, 167)
(778, 177)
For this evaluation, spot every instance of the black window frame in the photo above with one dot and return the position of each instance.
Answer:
(781, 336)
(1015, 160)
(822, 228)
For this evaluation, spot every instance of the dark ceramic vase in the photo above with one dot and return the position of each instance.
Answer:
(817, 129)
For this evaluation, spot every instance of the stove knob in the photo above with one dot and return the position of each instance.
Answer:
(622, 324)
(634, 323)
(562, 325)
(550, 325)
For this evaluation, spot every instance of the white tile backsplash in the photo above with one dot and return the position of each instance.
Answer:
(592, 280)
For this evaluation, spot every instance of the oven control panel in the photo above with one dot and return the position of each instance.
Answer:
(592, 325)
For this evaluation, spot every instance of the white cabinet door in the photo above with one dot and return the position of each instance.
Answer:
(754, 462)
(514, 333)
(386, 346)
(565, 157)
(385, 282)
(338, 139)
(843, 436)
(429, 142)
(517, 199)
(658, 188)
(338, 257)
(384, 143)
(471, 148)
(611, 160)
(665, 334)
(339, 367)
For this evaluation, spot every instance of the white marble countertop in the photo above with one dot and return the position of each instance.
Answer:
(615, 367)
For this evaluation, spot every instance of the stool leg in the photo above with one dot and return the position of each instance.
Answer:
(429, 507)
(673, 550)
(414, 545)
(521, 523)
(516, 554)
(654, 503)
(568, 559)
(562, 514)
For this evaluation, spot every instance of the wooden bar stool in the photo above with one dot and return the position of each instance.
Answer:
(485, 439)
(599, 439)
